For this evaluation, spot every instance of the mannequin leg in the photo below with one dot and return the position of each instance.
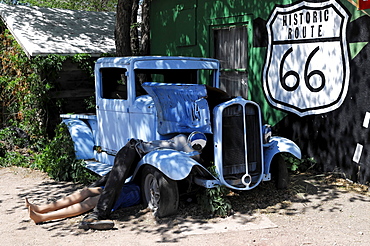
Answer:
(66, 201)
(123, 167)
(70, 211)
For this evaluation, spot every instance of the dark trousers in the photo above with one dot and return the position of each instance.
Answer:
(123, 167)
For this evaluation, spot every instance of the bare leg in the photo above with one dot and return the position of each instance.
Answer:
(66, 201)
(70, 211)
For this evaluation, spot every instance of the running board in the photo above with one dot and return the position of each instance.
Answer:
(98, 167)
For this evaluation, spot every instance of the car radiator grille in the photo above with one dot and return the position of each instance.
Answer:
(241, 142)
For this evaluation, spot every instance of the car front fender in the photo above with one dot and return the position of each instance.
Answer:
(176, 165)
(279, 145)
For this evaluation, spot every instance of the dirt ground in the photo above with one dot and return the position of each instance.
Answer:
(315, 210)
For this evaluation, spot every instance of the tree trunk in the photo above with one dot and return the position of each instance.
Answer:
(122, 29)
(134, 33)
(145, 28)
(126, 31)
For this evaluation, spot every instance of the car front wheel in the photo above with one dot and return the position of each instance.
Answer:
(280, 172)
(159, 192)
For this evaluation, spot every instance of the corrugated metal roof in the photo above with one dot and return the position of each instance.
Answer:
(43, 31)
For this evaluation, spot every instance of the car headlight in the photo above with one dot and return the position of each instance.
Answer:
(197, 140)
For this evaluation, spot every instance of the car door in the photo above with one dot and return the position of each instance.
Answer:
(112, 109)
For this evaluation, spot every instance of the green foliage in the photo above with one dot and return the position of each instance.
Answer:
(59, 161)
(85, 63)
(89, 5)
(215, 201)
(13, 149)
(90, 103)
(299, 165)
(14, 158)
(8, 138)
(25, 104)
(21, 89)
(48, 66)
(25, 101)
(2, 151)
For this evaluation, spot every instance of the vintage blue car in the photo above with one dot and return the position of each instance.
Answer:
(191, 128)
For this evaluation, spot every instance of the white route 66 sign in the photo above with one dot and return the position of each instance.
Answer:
(307, 65)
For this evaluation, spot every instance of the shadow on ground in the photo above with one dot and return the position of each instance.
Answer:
(249, 207)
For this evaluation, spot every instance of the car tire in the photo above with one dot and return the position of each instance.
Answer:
(280, 172)
(159, 193)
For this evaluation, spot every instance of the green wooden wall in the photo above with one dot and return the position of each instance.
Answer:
(184, 27)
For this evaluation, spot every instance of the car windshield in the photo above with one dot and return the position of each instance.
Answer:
(173, 76)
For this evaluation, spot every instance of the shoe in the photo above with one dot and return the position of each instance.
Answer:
(101, 225)
(92, 221)
(91, 217)
(83, 225)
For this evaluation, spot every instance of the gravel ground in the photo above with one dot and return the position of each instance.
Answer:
(315, 210)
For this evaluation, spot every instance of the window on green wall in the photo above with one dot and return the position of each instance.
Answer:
(230, 45)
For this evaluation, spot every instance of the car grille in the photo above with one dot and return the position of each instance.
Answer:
(241, 144)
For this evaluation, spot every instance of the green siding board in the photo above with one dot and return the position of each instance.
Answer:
(186, 36)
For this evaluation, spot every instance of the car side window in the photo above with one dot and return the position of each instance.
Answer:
(114, 83)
